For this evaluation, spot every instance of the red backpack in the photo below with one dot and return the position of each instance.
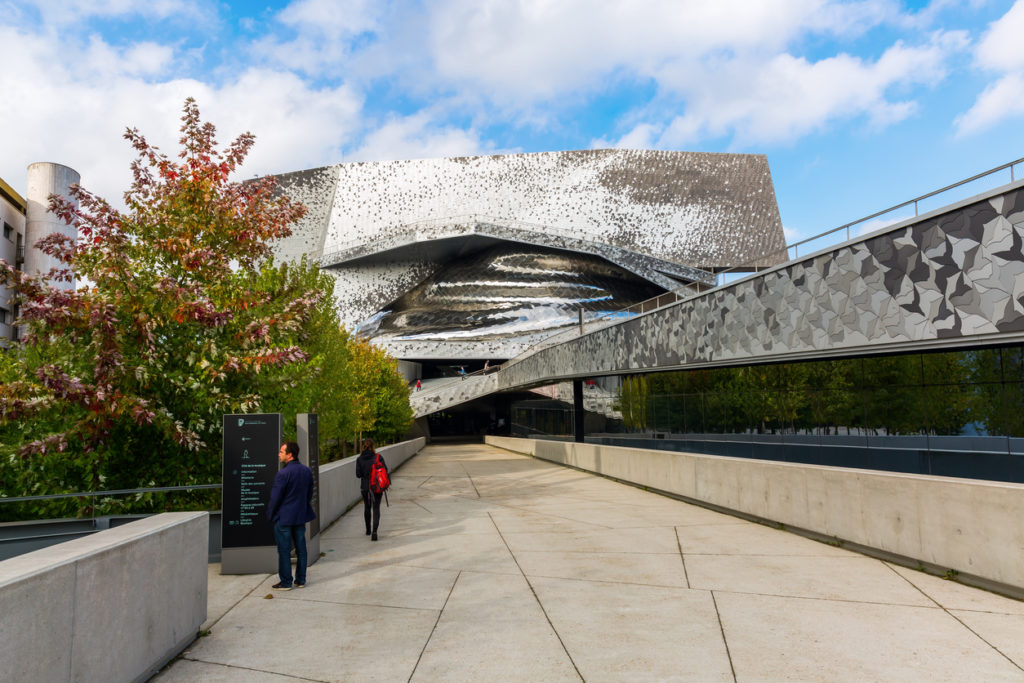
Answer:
(379, 481)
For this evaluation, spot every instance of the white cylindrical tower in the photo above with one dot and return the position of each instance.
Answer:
(44, 179)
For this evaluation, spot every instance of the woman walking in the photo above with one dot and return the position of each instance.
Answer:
(363, 464)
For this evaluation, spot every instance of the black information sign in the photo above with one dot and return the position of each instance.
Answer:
(313, 444)
(251, 444)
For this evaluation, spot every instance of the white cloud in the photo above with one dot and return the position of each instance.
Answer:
(1000, 100)
(751, 72)
(418, 137)
(63, 12)
(536, 50)
(331, 17)
(643, 136)
(324, 30)
(786, 97)
(1001, 49)
(73, 105)
(102, 60)
(1002, 46)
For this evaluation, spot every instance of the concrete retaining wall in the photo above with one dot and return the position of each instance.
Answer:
(974, 527)
(114, 606)
(339, 488)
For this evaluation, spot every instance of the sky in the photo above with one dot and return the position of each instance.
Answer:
(857, 105)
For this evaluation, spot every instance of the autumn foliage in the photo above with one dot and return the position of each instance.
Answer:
(181, 316)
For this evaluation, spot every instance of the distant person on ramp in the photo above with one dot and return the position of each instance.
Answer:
(289, 509)
(364, 466)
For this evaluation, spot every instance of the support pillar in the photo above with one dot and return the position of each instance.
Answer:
(577, 409)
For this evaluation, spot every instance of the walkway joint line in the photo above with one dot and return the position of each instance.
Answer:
(958, 619)
(471, 482)
(537, 598)
(249, 668)
(434, 628)
(682, 557)
(721, 629)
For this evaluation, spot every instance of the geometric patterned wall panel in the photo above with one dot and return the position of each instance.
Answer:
(953, 278)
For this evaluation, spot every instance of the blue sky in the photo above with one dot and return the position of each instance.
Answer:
(858, 105)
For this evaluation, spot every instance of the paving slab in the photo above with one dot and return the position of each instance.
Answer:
(225, 590)
(1004, 632)
(854, 578)
(472, 552)
(622, 632)
(751, 539)
(378, 585)
(189, 670)
(957, 596)
(493, 628)
(495, 566)
(656, 569)
(776, 638)
(318, 640)
(646, 540)
(525, 520)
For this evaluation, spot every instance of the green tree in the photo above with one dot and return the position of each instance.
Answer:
(378, 395)
(632, 402)
(313, 385)
(123, 382)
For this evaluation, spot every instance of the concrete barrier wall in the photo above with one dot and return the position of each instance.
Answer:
(974, 527)
(114, 606)
(339, 488)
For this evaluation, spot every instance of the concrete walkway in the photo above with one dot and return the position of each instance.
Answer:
(498, 567)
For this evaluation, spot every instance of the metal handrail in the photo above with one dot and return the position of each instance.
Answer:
(114, 492)
(847, 226)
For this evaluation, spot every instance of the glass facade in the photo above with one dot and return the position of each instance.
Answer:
(924, 406)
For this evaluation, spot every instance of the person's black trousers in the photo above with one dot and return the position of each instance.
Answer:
(374, 499)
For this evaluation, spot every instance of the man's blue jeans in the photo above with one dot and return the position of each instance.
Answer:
(286, 535)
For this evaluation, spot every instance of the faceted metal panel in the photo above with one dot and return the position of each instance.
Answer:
(644, 210)
(951, 279)
(508, 290)
(694, 208)
(315, 190)
(441, 239)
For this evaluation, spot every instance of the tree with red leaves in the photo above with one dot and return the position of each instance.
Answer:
(183, 317)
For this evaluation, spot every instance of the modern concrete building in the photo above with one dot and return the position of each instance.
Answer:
(25, 220)
(12, 248)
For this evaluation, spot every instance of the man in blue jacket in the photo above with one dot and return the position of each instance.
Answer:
(289, 509)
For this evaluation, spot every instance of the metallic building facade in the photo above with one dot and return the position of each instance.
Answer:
(480, 257)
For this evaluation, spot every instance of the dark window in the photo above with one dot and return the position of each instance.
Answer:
(8, 230)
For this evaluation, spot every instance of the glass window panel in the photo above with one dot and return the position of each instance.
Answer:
(986, 409)
(952, 367)
(690, 419)
(1013, 364)
(947, 408)
(1013, 393)
(985, 365)
(892, 371)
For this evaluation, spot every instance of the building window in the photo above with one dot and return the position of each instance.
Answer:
(8, 230)
(3, 316)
